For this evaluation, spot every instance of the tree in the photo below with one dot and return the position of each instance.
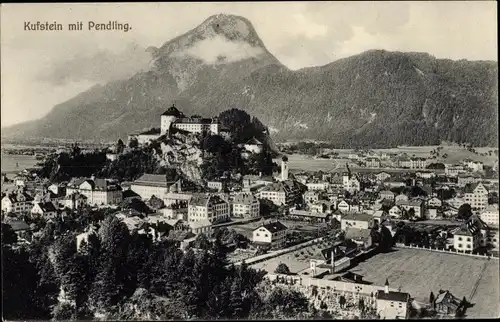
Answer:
(431, 298)
(464, 211)
(282, 269)
(120, 146)
(411, 213)
(342, 301)
(9, 237)
(133, 143)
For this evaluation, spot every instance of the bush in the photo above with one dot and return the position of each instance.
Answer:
(282, 269)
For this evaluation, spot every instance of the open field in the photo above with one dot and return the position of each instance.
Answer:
(419, 272)
(9, 161)
(247, 229)
(455, 154)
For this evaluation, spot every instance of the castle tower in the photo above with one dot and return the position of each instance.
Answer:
(284, 168)
(169, 117)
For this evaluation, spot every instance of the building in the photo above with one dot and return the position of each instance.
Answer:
(400, 198)
(351, 183)
(45, 209)
(464, 179)
(246, 205)
(178, 210)
(145, 137)
(287, 192)
(272, 234)
(471, 235)
(362, 237)
(476, 195)
(317, 186)
(445, 303)
(309, 216)
(215, 185)
(173, 118)
(395, 212)
(453, 170)
(58, 189)
(415, 204)
(392, 305)
(386, 194)
(490, 215)
(74, 201)
(17, 202)
(418, 163)
(253, 146)
(434, 202)
(201, 226)
(475, 166)
(372, 163)
(97, 191)
(208, 207)
(149, 185)
(311, 197)
(382, 176)
(359, 220)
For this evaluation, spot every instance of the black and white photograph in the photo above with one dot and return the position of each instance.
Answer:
(314, 160)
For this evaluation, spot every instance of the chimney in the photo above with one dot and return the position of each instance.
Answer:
(386, 288)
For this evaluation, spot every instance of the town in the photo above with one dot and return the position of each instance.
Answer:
(380, 235)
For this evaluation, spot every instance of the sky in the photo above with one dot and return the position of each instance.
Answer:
(40, 69)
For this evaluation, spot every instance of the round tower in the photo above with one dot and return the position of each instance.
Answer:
(284, 168)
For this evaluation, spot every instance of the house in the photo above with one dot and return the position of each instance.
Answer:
(253, 180)
(47, 196)
(453, 170)
(323, 206)
(401, 197)
(215, 185)
(17, 202)
(351, 183)
(343, 206)
(379, 216)
(45, 209)
(309, 216)
(74, 201)
(446, 303)
(490, 215)
(97, 191)
(465, 178)
(58, 189)
(272, 234)
(21, 228)
(176, 197)
(337, 215)
(362, 237)
(317, 185)
(418, 163)
(128, 195)
(200, 226)
(392, 305)
(395, 212)
(254, 146)
(475, 166)
(245, 205)
(434, 202)
(415, 204)
(311, 197)
(356, 220)
(178, 210)
(154, 184)
(471, 235)
(386, 194)
(84, 237)
(432, 212)
(476, 195)
(208, 207)
(425, 174)
(349, 206)
(372, 163)
(288, 192)
(404, 162)
(382, 176)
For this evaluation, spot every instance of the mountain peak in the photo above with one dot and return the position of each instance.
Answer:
(221, 38)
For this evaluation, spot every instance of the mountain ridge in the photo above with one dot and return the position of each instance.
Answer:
(376, 98)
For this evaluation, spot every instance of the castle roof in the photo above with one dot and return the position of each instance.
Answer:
(172, 111)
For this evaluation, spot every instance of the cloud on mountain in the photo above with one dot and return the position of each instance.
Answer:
(99, 67)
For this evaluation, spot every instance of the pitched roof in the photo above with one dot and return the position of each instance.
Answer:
(244, 198)
(254, 141)
(172, 111)
(393, 296)
(18, 225)
(47, 206)
(358, 217)
(158, 180)
(273, 227)
(204, 200)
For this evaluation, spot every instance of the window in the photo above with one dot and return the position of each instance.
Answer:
(459, 245)
(468, 246)
(460, 238)
(468, 239)
(257, 234)
(266, 235)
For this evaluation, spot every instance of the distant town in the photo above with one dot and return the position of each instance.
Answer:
(334, 239)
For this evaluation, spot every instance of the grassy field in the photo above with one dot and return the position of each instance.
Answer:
(247, 229)
(455, 154)
(420, 272)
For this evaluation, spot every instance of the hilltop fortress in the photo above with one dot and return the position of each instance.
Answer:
(173, 118)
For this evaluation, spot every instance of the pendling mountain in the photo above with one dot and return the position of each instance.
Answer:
(377, 98)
